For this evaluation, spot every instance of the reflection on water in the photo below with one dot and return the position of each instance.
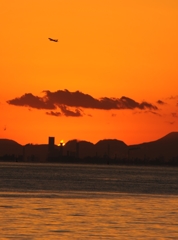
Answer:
(57, 204)
(102, 217)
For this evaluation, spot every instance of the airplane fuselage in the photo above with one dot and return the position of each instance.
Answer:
(53, 40)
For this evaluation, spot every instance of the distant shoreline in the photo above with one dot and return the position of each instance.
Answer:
(82, 162)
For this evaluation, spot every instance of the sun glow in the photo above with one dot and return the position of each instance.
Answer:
(62, 143)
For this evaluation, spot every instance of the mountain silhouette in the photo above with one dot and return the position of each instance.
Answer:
(164, 148)
(173, 136)
(10, 147)
(81, 148)
(111, 148)
(35, 153)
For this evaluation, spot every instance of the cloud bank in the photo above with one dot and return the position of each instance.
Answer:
(72, 103)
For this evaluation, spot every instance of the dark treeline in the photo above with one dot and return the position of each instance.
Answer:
(95, 160)
(11, 158)
(116, 161)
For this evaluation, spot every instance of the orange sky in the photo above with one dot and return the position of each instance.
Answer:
(106, 49)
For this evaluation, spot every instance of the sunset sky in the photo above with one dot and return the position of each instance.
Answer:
(113, 74)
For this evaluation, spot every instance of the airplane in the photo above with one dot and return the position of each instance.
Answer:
(53, 40)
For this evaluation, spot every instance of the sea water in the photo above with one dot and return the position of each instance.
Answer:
(65, 201)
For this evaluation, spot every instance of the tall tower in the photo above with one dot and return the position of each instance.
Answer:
(51, 145)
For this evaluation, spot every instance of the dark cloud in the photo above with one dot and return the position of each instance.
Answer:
(79, 99)
(29, 100)
(66, 100)
(128, 103)
(69, 113)
(161, 102)
(52, 113)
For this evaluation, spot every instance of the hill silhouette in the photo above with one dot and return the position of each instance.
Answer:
(81, 148)
(111, 148)
(8, 146)
(165, 148)
(35, 153)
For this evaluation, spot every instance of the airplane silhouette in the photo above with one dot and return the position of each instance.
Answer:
(53, 40)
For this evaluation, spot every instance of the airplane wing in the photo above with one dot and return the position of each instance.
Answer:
(54, 40)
